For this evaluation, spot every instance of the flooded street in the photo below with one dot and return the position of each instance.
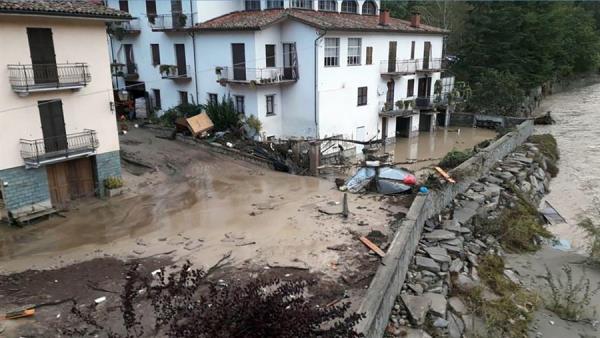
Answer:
(575, 192)
(429, 147)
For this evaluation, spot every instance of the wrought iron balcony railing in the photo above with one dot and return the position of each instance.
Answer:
(258, 76)
(127, 70)
(171, 22)
(58, 148)
(43, 77)
(119, 29)
(403, 67)
(175, 72)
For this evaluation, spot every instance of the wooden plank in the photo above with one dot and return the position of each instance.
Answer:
(445, 175)
(372, 246)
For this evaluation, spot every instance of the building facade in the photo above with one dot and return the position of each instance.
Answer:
(60, 139)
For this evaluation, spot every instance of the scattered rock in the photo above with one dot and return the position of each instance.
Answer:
(439, 235)
(427, 264)
(464, 283)
(457, 305)
(440, 323)
(438, 304)
(417, 307)
(456, 327)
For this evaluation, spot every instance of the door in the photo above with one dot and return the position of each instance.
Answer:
(361, 135)
(177, 14)
(423, 92)
(129, 60)
(43, 59)
(239, 61)
(392, 57)
(389, 98)
(384, 127)
(426, 54)
(180, 57)
(53, 126)
(70, 180)
(290, 61)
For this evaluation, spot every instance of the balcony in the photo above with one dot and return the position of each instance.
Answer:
(121, 29)
(407, 67)
(174, 22)
(424, 102)
(126, 70)
(401, 108)
(175, 72)
(25, 79)
(50, 150)
(257, 76)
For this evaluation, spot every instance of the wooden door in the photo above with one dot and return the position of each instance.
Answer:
(384, 127)
(58, 184)
(177, 14)
(389, 99)
(424, 85)
(290, 61)
(392, 57)
(180, 57)
(239, 61)
(43, 58)
(129, 59)
(70, 180)
(53, 126)
(426, 54)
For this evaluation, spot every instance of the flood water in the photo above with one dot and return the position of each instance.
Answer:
(430, 147)
(575, 192)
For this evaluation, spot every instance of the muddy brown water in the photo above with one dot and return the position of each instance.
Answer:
(575, 192)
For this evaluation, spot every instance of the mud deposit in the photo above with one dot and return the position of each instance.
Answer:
(575, 192)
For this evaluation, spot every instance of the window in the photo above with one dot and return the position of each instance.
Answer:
(369, 55)
(412, 50)
(183, 97)
(154, 47)
(410, 88)
(307, 4)
(328, 5)
(213, 98)
(151, 7)
(270, 55)
(362, 96)
(239, 104)
(124, 5)
(349, 6)
(274, 4)
(332, 52)
(369, 8)
(270, 105)
(354, 49)
(252, 5)
(157, 103)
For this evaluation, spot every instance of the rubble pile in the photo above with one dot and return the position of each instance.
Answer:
(446, 262)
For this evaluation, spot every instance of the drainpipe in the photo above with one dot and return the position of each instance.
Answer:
(193, 34)
(321, 34)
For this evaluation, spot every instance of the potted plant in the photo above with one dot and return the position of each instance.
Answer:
(167, 70)
(218, 70)
(182, 19)
(113, 186)
(437, 87)
(400, 104)
(388, 106)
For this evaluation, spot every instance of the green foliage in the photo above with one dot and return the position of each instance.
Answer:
(547, 145)
(497, 93)
(223, 114)
(593, 232)
(254, 123)
(491, 272)
(454, 158)
(183, 110)
(113, 182)
(570, 300)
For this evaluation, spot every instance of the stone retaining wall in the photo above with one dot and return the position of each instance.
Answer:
(388, 280)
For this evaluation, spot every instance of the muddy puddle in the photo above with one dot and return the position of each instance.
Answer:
(575, 192)
(430, 147)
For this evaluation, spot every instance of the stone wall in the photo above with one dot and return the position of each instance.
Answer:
(107, 165)
(25, 190)
(389, 278)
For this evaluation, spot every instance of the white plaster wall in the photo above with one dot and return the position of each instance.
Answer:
(75, 40)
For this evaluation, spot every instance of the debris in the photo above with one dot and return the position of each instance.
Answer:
(345, 206)
(372, 246)
(24, 312)
(339, 247)
(100, 300)
(417, 307)
(445, 175)
(545, 119)
(428, 264)
(360, 180)
(551, 214)
(199, 124)
(245, 244)
(438, 303)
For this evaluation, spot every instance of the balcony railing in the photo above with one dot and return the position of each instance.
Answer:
(424, 102)
(58, 148)
(126, 70)
(43, 77)
(258, 76)
(170, 22)
(176, 73)
(404, 67)
(400, 108)
(119, 29)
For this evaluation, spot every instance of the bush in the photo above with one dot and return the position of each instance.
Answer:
(593, 232)
(497, 93)
(223, 114)
(183, 110)
(184, 304)
(113, 182)
(254, 123)
(547, 145)
(569, 300)
(454, 158)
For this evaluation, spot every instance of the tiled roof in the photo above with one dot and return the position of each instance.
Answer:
(78, 8)
(256, 20)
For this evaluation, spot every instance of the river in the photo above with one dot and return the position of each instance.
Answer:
(575, 192)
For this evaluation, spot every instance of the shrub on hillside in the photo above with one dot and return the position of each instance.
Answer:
(223, 114)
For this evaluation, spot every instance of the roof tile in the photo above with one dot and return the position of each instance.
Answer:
(79, 8)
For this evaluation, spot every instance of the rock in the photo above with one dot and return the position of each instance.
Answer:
(438, 304)
(472, 259)
(512, 276)
(456, 327)
(406, 332)
(440, 323)
(455, 241)
(417, 307)
(463, 214)
(457, 305)
(488, 295)
(138, 252)
(451, 225)
(439, 235)
(427, 264)
(453, 249)
(416, 288)
(456, 265)
(474, 248)
(464, 283)
(438, 254)
(493, 180)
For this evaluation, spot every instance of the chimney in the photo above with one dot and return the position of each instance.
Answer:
(415, 20)
(384, 17)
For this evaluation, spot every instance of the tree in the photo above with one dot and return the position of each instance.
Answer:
(223, 114)
(497, 93)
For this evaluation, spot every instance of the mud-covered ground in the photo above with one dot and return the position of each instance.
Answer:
(185, 203)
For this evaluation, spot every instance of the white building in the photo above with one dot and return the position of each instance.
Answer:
(59, 137)
(302, 64)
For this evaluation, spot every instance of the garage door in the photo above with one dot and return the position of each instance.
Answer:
(69, 181)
